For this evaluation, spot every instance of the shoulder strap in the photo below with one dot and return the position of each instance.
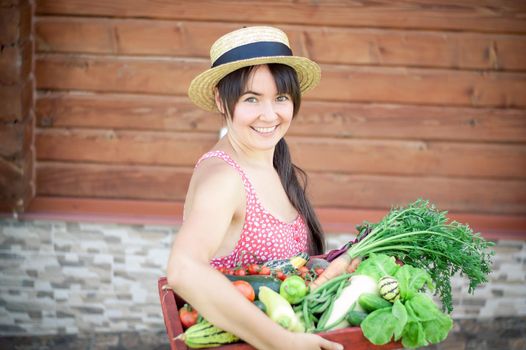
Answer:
(224, 156)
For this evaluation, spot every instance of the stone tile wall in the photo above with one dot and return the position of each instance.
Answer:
(60, 278)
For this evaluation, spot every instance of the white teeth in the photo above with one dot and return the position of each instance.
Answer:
(265, 130)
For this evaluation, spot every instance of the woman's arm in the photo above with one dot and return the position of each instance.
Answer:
(218, 194)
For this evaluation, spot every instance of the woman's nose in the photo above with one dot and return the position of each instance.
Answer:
(268, 112)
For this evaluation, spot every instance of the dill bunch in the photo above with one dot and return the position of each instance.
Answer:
(423, 237)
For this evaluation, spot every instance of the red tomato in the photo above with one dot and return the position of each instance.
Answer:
(246, 289)
(253, 269)
(229, 271)
(280, 275)
(265, 270)
(188, 316)
(240, 272)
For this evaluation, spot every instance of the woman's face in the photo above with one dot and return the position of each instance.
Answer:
(261, 116)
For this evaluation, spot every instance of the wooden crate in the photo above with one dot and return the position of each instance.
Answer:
(351, 338)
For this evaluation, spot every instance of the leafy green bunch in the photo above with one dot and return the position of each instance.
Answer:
(413, 318)
(423, 237)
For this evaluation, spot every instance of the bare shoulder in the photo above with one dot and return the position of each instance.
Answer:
(215, 182)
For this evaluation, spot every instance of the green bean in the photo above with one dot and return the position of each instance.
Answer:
(341, 286)
(306, 317)
(331, 283)
(318, 309)
(325, 316)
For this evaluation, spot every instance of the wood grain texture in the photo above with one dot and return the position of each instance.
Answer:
(409, 48)
(504, 16)
(455, 194)
(316, 118)
(123, 147)
(326, 189)
(339, 83)
(112, 181)
(361, 156)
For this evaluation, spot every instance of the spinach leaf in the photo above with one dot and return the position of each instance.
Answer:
(379, 326)
(378, 266)
(400, 314)
(414, 335)
(436, 324)
(411, 280)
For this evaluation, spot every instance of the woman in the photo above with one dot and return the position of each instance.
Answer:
(245, 203)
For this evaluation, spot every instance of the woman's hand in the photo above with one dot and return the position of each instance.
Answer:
(309, 341)
(343, 264)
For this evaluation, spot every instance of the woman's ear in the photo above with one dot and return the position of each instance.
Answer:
(219, 103)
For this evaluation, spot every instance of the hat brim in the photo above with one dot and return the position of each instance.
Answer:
(201, 90)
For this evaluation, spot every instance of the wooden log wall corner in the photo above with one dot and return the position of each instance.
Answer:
(17, 121)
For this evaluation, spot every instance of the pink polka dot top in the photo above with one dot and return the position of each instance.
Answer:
(264, 237)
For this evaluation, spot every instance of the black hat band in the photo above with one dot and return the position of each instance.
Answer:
(253, 50)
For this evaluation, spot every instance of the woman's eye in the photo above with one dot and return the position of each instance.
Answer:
(283, 98)
(250, 99)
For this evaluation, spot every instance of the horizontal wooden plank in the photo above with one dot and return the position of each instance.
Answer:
(324, 45)
(114, 181)
(124, 111)
(339, 83)
(329, 119)
(327, 190)
(124, 147)
(431, 158)
(333, 220)
(456, 194)
(126, 74)
(490, 16)
(358, 156)
(420, 86)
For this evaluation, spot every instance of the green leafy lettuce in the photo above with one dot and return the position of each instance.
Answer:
(414, 317)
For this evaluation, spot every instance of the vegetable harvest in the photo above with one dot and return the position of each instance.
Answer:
(421, 236)
(409, 254)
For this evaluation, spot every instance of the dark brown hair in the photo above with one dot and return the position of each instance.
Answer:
(230, 88)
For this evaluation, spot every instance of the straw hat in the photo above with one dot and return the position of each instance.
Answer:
(248, 47)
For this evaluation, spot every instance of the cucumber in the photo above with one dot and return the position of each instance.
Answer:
(290, 264)
(371, 302)
(260, 305)
(389, 289)
(257, 281)
(355, 317)
(206, 335)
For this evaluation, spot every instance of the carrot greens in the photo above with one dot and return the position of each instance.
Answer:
(423, 237)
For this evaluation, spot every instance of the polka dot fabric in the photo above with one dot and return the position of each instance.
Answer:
(264, 237)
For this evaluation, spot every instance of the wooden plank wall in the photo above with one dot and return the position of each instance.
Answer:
(418, 98)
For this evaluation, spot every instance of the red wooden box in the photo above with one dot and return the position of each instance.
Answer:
(351, 338)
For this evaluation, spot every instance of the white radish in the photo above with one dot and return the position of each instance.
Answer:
(359, 284)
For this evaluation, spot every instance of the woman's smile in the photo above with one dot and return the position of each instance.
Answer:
(267, 130)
